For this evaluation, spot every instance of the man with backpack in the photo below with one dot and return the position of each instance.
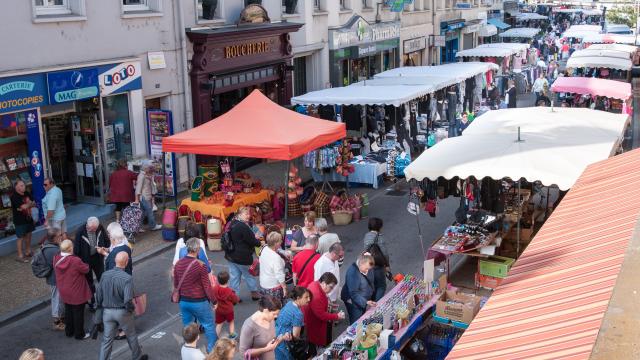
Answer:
(42, 267)
(239, 243)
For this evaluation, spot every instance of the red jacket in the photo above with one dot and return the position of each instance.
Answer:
(226, 299)
(298, 262)
(71, 280)
(316, 315)
(121, 186)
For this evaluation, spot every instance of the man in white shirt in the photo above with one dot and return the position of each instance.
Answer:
(326, 238)
(539, 85)
(328, 262)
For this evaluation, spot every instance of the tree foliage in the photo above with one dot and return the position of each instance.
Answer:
(622, 15)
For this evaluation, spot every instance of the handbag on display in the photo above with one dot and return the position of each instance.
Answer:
(140, 304)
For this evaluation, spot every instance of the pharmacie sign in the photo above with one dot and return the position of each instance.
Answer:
(72, 85)
(23, 92)
(358, 31)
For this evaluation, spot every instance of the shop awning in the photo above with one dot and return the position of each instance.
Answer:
(487, 30)
(520, 33)
(498, 23)
(557, 294)
(599, 62)
(552, 157)
(257, 127)
(609, 39)
(496, 49)
(593, 86)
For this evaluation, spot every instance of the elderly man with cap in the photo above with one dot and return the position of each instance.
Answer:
(85, 246)
(145, 191)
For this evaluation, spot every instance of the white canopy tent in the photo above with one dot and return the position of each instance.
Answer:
(595, 38)
(397, 86)
(520, 33)
(599, 62)
(530, 16)
(487, 30)
(580, 31)
(552, 157)
(591, 12)
(611, 53)
(616, 47)
(495, 49)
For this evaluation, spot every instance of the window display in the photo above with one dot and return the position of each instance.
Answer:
(117, 129)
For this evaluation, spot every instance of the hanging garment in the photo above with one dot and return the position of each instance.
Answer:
(326, 112)
(452, 100)
(352, 116)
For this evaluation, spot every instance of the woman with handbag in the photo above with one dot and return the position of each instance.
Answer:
(291, 321)
(272, 268)
(258, 335)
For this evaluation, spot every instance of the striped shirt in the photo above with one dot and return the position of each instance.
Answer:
(196, 285)
(115, 290)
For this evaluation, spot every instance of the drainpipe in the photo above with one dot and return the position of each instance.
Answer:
(186, 87)
(433, 24)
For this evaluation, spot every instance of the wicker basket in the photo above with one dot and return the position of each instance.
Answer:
(342, 217)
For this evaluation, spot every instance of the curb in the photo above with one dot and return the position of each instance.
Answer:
(38, 304)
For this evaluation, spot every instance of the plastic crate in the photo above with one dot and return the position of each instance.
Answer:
(495, 266)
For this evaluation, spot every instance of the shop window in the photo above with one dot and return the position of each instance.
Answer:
(209, 10)
(141, 7)
(289, 6)
(117, 129)
(316, 4)
(52, 7)
(300, 76)
(365, 4)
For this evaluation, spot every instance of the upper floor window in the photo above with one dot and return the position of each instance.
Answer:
(316, 4)
(135, 5)
(52, 7)
(208, 9)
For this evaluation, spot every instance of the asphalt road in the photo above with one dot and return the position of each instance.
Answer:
(160, 328)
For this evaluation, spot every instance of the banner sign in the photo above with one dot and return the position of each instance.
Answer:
(72, 85)
(23, 92)
(160, 126)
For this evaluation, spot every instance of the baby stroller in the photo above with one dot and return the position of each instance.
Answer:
(131, 221)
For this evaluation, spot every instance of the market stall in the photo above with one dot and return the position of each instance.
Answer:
(608, 59)
(617, 93)
(596, 38)
(520, 33)
(256, 127)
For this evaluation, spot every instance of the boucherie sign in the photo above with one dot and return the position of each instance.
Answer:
(358, 31)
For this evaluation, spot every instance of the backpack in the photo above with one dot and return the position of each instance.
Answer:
(39, 266)
(226, 242)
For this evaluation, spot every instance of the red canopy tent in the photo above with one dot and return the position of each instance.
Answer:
(257, 127)
(593, 86)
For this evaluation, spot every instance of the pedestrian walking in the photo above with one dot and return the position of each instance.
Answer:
(32, 354)
(53, 207)
(272, 268)
(326, 238)
(21, 206)
(291, 320)
(225, 349)
(74, 289)
(114, 297)
(303, 262)
(197, 298)
(317, 318)
(358, 289)
(192, 231)
(538, 86)
(118, 244)
(88, 239)
(258, 334)
(329, 262)
(121, 187)
(145, 191)
(227, 299)
(512, 95)
(374, 236)
(49, 250)
(189, 350)
(301, 235)
(241, 257)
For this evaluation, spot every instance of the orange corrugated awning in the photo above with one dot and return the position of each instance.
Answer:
(552, 303)
(257, 127)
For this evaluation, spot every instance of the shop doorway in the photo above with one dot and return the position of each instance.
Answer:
(74, 152)
(449, 51)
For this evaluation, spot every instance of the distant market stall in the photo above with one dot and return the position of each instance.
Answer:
(609, 59)
(524, 33)
(604, 94)
(597, 38)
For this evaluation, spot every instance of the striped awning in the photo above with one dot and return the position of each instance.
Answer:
(552, 303)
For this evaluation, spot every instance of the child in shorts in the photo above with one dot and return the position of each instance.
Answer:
(227, 298)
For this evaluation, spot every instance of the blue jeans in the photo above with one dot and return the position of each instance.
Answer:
(202, 312)
(354, 312)
(237, 272)
(147, 208)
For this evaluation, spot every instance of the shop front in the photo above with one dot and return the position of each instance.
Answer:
(358, 50)
(229, 63)
(71, 125)
(413, 50)
(469, 32)
(451, 31)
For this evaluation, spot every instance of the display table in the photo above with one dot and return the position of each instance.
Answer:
(222, 212)
(403, 335)
(365, 173)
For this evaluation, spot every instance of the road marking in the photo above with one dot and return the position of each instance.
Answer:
(158, 335)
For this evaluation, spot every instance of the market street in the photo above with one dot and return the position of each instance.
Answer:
(160, 328)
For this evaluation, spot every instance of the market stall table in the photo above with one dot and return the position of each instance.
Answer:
(220, 211)
(364, 173)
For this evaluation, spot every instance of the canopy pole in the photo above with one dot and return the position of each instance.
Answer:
(518, 224)
(164, 181)
(286, 196)
(519, 139)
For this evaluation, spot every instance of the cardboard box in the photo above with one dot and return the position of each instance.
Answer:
(458, 306)
(496, 266)
(488, 282)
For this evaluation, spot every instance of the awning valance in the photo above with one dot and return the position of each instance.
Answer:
(593, 86)
(520, 33)
(599, 62)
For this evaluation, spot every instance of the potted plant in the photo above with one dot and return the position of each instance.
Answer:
(290, 6)
(209, 9)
